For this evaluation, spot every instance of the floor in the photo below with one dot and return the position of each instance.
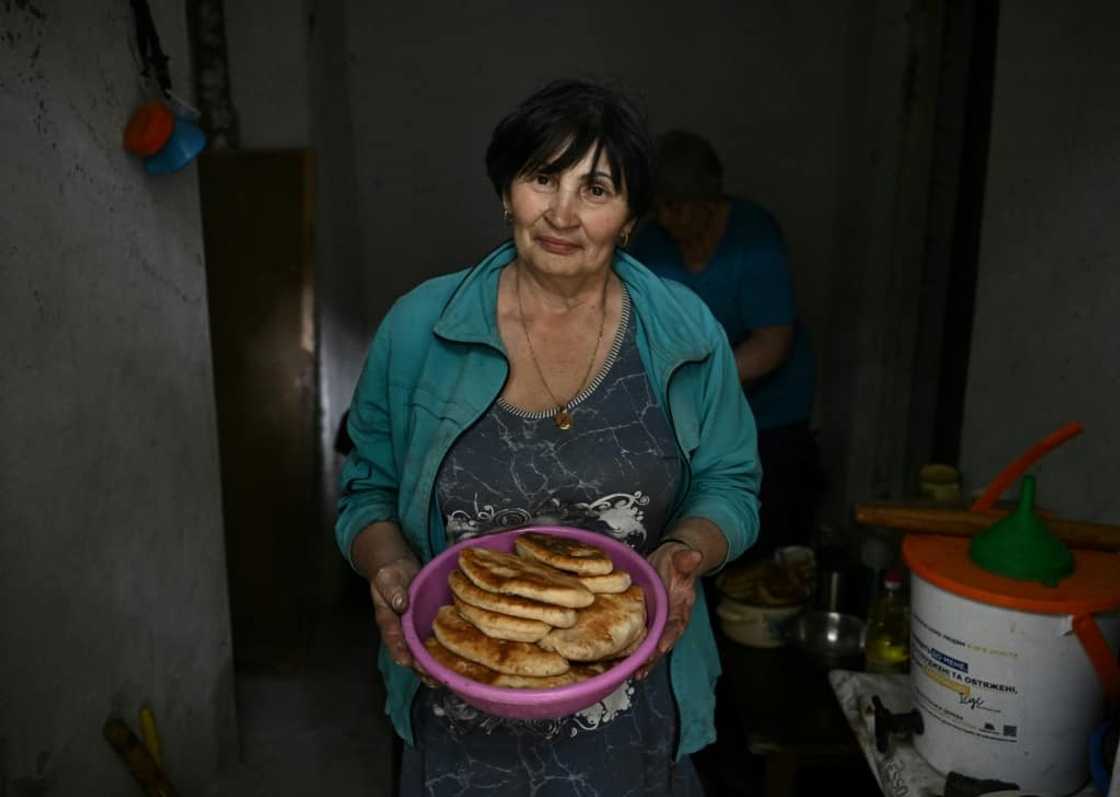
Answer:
(312, 722)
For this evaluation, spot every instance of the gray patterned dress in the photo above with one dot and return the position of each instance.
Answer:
(616, 471)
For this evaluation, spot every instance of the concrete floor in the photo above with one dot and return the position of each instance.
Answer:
(312, 722)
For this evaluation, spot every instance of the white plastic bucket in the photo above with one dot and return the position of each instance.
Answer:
(1003, 693)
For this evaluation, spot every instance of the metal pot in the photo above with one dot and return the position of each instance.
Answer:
(831, 639)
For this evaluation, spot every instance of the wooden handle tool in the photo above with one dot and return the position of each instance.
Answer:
(966, 523)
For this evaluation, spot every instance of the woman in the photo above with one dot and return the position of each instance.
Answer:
(556, 381)
(731, 253)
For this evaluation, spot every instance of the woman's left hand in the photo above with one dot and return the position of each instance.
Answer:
(679, 567)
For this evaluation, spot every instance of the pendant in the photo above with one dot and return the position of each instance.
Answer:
(563, 419)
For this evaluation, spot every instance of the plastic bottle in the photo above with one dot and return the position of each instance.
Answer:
(887, 648)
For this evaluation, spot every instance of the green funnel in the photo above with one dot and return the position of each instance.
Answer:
(1020, 546)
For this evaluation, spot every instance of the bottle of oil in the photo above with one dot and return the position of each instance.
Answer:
(887, 648)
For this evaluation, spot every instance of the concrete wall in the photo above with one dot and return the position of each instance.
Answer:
(268, 52)
(875, 290)
(429, 80)
(112, 571)
(401, 101)
(340, 270)
(290, 86)
(1045, 340)
(822, 112)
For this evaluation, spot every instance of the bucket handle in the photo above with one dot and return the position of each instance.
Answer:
(1100, 654)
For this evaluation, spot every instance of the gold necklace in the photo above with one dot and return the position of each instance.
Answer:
(563, 416)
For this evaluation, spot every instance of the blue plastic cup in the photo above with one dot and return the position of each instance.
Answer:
(185, 144)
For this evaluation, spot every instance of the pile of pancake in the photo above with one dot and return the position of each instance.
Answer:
(554, 614)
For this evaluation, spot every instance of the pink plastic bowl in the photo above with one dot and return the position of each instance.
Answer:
(429, 591)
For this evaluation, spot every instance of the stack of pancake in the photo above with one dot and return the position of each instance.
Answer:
(557, 613)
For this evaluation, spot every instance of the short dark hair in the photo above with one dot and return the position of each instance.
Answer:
(553, 129)
(686, 167)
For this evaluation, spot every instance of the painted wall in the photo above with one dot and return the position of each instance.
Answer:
(1045, 341)
(112, 569)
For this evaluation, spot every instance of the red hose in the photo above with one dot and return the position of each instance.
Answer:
(1017, 468)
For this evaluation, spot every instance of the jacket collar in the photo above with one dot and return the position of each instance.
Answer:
(471, 312)
(675, 331)
(674, 336)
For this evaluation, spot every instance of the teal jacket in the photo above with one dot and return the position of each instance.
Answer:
(436, 365)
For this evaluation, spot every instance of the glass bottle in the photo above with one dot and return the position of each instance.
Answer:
(887, 646)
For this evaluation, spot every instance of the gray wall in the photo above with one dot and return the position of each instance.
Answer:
(112, 571)
(268, 53)
(765, 81)
(429, 80)
(1046, 340)
(822, 112)
(290, 87)
(874, 372)
(340, 270)
(401, 99)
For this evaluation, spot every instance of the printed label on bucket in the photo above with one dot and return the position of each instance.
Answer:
(954, 692)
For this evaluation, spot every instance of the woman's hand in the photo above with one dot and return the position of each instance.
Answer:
(389, 590)
(693, 547)
(679, 566)
(382, 555)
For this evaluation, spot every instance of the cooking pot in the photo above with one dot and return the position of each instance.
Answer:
(830, 639)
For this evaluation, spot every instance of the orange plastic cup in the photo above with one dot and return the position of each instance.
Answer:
(149, 129)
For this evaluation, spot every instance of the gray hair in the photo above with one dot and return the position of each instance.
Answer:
(686, 167)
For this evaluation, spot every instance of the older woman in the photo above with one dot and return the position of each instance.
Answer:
(556, 381)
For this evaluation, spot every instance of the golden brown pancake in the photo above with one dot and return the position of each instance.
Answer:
(618, 581)
(459, 665)
(465, 590)
(564, 553)
(502, 626)
(602, 630)
(484, 675)
(629, 649)
(511, 575)
(578, 672)
(512, 658)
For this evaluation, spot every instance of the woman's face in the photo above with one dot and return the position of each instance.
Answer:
(567, 224)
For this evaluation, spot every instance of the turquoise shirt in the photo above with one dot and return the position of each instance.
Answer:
(437, 363)
(746, 285)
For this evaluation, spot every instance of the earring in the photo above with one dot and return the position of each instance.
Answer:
(507, 215)
(624, 239)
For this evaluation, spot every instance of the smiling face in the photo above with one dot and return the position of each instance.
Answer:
(567, 224)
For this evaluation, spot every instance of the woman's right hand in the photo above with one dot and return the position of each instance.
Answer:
(389, 590)
(381, 554)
